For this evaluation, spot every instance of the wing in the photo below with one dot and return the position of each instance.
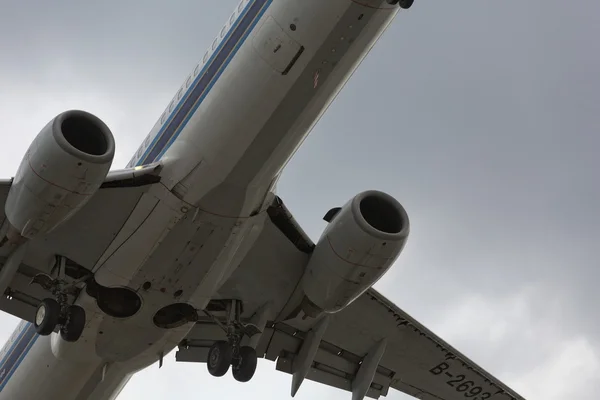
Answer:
(82, 239)
(367, 348)
(415, 361)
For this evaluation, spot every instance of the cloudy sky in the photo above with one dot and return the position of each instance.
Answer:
(481, 117)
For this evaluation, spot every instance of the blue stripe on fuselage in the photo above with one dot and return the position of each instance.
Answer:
(21, 328)
(205, 81)
(17, 353)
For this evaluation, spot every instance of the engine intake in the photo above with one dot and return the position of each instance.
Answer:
(84, 133)
(360, 244)
(64, 166)
(381, 214)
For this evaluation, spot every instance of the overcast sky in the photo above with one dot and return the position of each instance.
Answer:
(481, 117)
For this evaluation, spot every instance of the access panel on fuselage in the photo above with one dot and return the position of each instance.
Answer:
(276, 47)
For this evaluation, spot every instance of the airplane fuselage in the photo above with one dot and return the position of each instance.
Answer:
(222, 142)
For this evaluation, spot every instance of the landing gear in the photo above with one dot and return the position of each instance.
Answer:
(47, 317)
(72, 328)
(220, 357)
(52, 313)
(243, 370)
(406, 4)
(222, 354)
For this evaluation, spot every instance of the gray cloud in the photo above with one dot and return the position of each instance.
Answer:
(480, 117)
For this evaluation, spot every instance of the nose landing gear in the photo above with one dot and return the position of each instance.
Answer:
(52, 313)
(406, 4)
(223, 354)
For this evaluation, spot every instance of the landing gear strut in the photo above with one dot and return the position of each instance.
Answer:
(52, 313)
(222, 354)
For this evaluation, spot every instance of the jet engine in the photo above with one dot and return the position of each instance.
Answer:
(64, 166)
(361, 242)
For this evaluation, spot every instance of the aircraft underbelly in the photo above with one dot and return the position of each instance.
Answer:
(267, 99)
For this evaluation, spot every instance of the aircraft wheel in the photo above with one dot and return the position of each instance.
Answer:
(406, 4)
(47, 317)
(219, 358)
(71, 331)
(244, 369)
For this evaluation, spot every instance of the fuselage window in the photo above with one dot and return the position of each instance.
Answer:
(179, 94)
(214, 45)
(188, 82)
(163, 118)
(232, 19)
(241, 6)
(171, 106)
(205, 57)
(223, 31)
(147, 141)
(197, 70)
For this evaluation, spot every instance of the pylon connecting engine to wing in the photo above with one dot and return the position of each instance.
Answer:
(361, 242)
(64, 166)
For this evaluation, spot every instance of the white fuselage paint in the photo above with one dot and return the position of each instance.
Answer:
(237, 120)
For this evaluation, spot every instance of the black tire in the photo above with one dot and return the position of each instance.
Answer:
(244, 370)
(406, 4)
(219, 358)
(71, 331)
(47, 317)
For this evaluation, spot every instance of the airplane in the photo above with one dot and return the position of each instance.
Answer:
(189, 249)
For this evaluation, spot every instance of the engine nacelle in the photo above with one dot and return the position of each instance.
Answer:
(64, 166)
(359, 245)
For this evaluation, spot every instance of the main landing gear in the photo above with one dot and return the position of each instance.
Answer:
(226, 353)
(52, 313)
(406, 4)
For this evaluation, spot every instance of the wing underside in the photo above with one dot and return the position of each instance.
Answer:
(372, 340)
(414, 361)
(81, 240)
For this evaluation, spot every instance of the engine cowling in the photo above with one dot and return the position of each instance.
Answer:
(64, 166)
(359, 245)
